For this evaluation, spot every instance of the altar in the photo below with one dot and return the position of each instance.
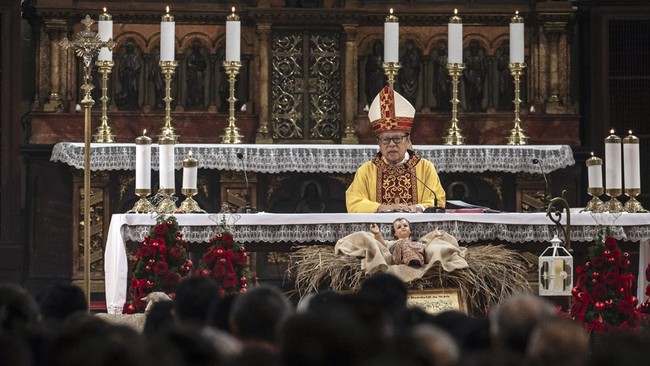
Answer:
(273, 229)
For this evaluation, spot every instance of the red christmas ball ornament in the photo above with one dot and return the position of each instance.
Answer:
(242, 280)
(634, 300)
(219, 251)
(587, 265)
(222, 292)
(575, 292)
(222, 260)
(620, 290)
(129, 309)
(242, 249)
(611, 260)
(599, 306)
(147, 268)
(152, 261)
(606, 253)
(170, 222)
(189, 263)
(626, 254)
(206, 273)
(149, 283)
(594, 281)
(155, 244)
(609, 303)
(596, 274)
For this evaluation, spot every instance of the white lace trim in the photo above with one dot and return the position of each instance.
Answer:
(323, 158)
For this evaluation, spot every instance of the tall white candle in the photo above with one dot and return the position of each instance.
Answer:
(391, 38)
(613, 173)
(190, 170)
(595, 171)
(105, 30)
(517, 39)
(233, 37)
(167, 36)
(455, 39)
(166, 162)
(143, 162)
(631, 162)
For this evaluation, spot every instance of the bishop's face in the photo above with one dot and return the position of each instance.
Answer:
(393, 145)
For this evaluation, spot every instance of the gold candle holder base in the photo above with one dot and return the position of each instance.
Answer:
(231, 134)
(391, 69)
(143, 205)
(166, 204)
(168, 69)
(632, 205)
(613, 205)
(454, 136)
(189, 205)
(595, 204)
(517, 134)
(104, 133)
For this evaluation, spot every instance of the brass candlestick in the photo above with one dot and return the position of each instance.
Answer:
(391, 69)
(595, 204)
(454, 136)
(104, 133)
(189, 204)
(613, 205)
(167, 203)
(632, 205)
(168, 68)
(143, 205)
(87, 45)
(517, 134)
(231, 133)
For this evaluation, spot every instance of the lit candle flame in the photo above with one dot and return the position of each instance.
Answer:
(592, 154)
(516, 12)
(391, 11)
(455, 11)
(611, 131)
(233, 10)
(104, 9)
(630, 132)
(144, 132)
(190, 154)
(167, 9)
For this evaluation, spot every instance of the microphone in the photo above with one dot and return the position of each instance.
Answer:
(546, 190)
(434, 208)
(247, 208)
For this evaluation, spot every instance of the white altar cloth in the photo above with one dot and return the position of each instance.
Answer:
(322, 158)
(328, 228)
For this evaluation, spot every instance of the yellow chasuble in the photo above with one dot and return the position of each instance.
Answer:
(377, 182)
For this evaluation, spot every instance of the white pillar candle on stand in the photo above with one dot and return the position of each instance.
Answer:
(105, 30)
(143, 162)
(167, 36)
(595, 171)
(631, 162)
(233, 37)
(613, 173)
(391, 38)
(455, 39)
(190, 170)
(166, 162)
(517, 39)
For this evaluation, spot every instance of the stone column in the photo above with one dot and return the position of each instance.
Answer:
(263, 135)
(54, 28)
(554, 31)
(350, 86)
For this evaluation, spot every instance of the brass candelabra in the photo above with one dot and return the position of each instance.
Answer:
(104, 133)
(517, 134)
(189, 205)
(391, 69)
(454, 136)
(613, 204)
(231, 134)
(632, 205)
(168, 68)
(142, 205)
(595, 204)
(87, 45)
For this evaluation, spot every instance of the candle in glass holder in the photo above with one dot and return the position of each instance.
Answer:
(167, 35)
(105, 30)
(631, 162)
(595, 171)
(455, 39)
(391, 38)
(517, 39)
(190, 170)
(143, 162)
(166, 162)
(233, 37)
(613, 176)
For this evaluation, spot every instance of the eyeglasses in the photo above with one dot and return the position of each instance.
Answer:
(395, 139)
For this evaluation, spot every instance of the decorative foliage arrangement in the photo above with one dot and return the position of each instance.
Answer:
(226, 261)
(604, 293)
(161, 262)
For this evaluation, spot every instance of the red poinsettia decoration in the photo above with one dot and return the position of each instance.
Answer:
(161, 262)
(603, 297)
(645, 306)
(226, 261)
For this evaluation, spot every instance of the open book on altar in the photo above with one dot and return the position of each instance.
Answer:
(458, 206)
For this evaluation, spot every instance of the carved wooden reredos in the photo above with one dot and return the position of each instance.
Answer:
(322, 95)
